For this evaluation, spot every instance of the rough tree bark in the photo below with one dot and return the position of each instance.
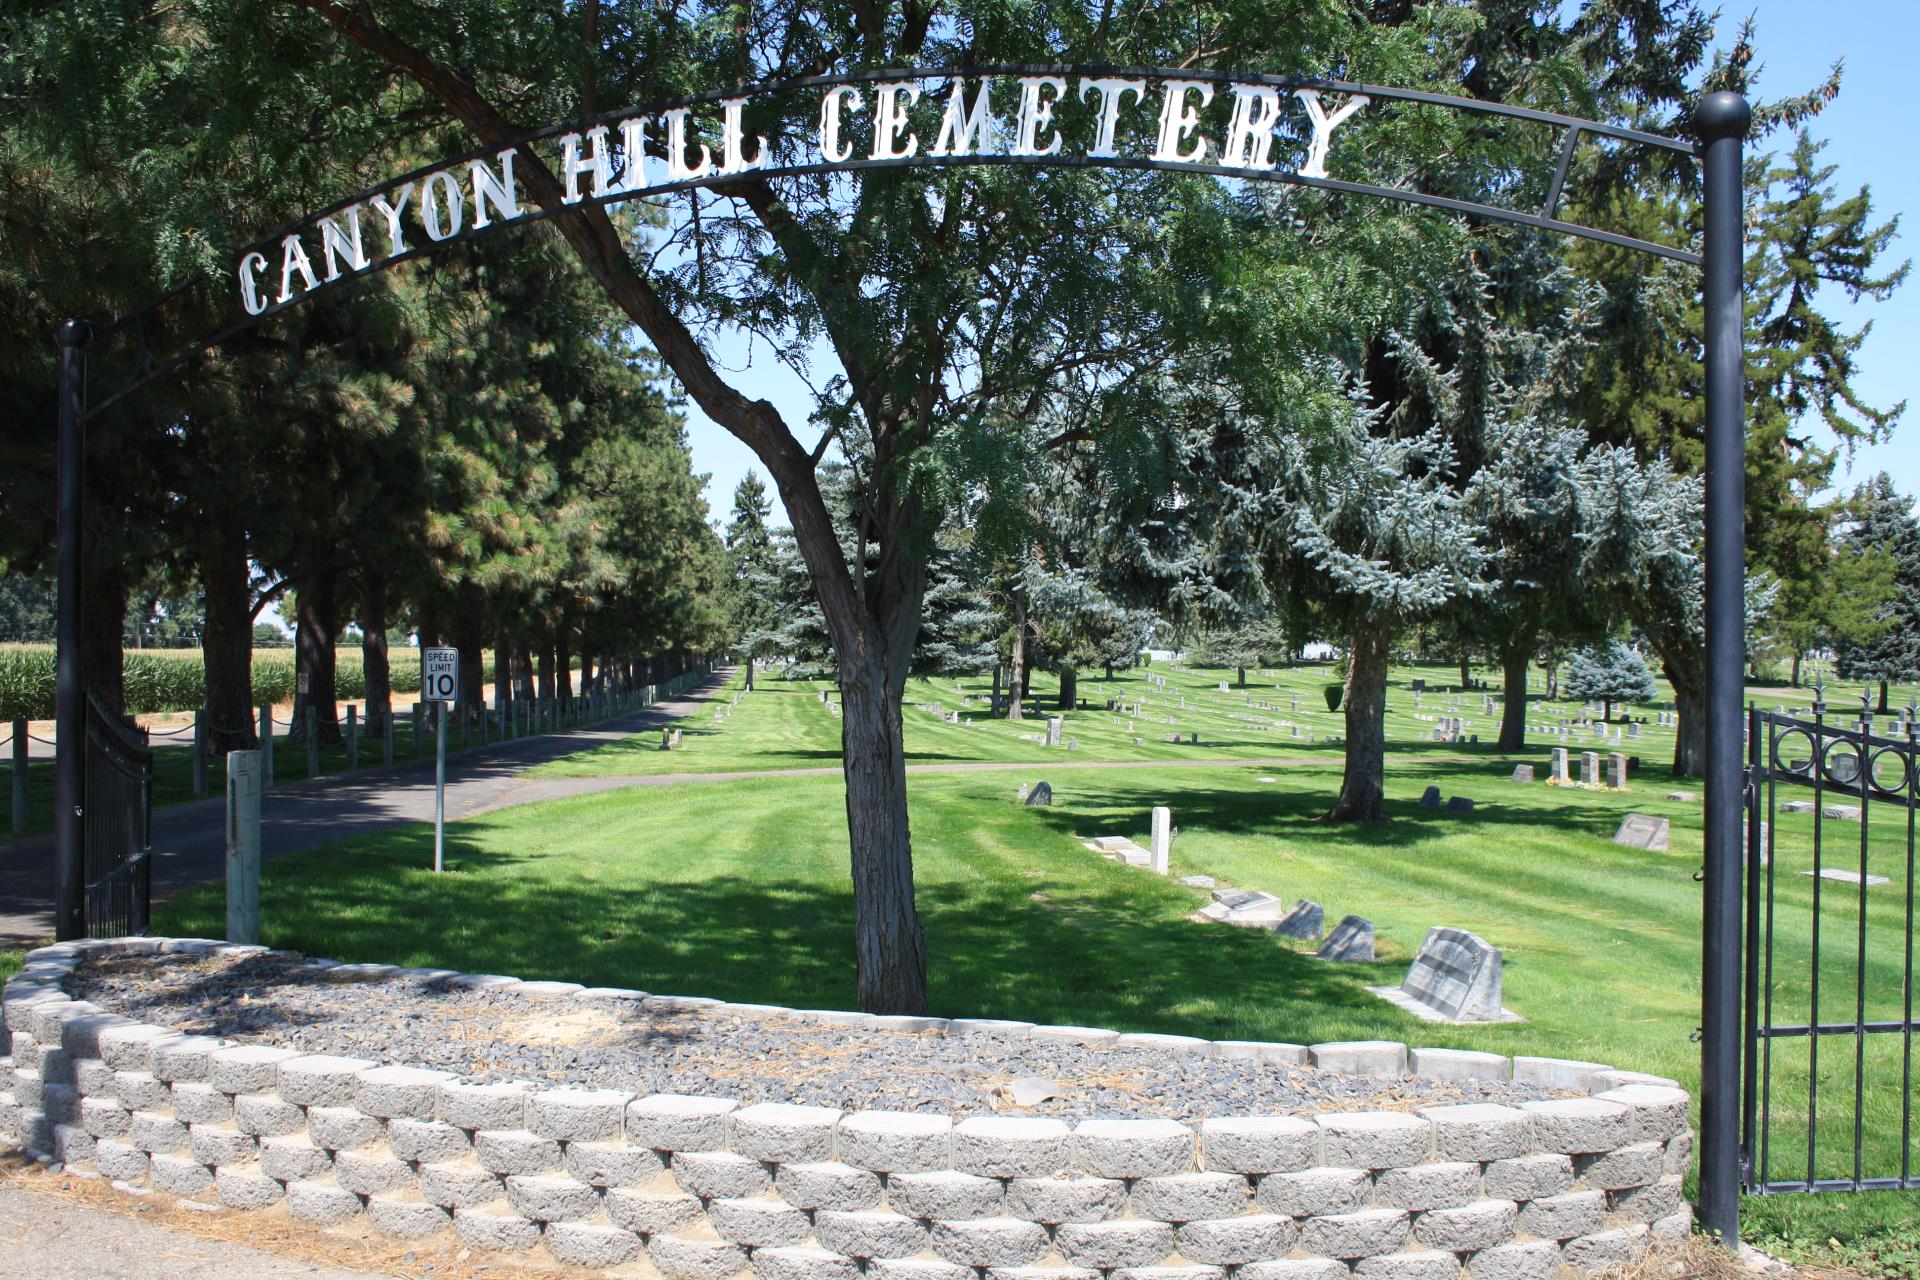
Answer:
(563, 662)
(543, 660)
(1513, 676)
(316, 593)
(1686, 670)
(1017, 664)
(227, 646)
(468, 633)
(373, 651)
(103, 621)
(1069, 687)
(1363, 788)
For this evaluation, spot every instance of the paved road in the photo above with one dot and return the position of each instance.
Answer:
(50, 1237)
(189, 840)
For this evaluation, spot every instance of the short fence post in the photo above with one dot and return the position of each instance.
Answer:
(353, 737)
(243, 847)
(199, 754)
(266, 744)
(19, 776)
(386, 737)
(312, 723)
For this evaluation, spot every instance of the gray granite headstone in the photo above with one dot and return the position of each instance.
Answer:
(1798, 806)
(1351, 941)
(1560, 764)
(1053, 731)
(1430, 798)
(1590, 768)
(1617, 771)
(1459, 804)
(1042, 794)
(1455, 978)
(1642, 831)
(1523, 773)
(1844, 812)
(1307, 920)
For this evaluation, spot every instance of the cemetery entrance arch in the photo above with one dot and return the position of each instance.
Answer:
(703, 140)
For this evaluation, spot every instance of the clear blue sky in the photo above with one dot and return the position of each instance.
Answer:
(1870, 139)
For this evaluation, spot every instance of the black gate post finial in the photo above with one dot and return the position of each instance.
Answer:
(69, 777)
(1720, 122)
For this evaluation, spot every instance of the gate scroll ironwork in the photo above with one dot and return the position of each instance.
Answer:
(1811, 1119)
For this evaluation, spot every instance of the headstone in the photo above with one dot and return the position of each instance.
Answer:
(1633, 730)
(1042, 794)
(1617, 771)
(1459, 804)
(1642, 831)
(1162, 838)
(1197, 882)
(1845, 877)
(1798, 806)
(1430, 798)
(1560, 764)
(1843, 812)
(1021, 794)
(1684, 797)
(1419, 686)
(1590, 768)
(1455, 978)
(1351, 942)
(1248, 908)
(1223, 689)
(1053, 731)
(1522, 773)
(1307, 920)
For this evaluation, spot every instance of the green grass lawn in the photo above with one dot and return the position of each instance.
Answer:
(739, 889)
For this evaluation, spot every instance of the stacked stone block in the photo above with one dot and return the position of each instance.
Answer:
(707, 1188)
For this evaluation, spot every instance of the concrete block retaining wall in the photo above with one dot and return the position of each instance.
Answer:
(704, 1188)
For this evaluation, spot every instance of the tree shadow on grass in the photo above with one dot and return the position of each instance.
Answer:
(1117, 954)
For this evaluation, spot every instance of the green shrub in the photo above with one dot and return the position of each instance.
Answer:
(26, 682)
(1334, 692)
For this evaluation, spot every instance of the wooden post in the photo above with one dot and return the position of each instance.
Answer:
(19, 776)
(199, 754)
(243, 847)
(266, 744)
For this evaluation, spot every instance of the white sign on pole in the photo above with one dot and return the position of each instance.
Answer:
(439, 682)
(439, 675)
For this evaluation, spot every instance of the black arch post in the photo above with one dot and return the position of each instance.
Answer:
(69, 761)
(1720, 122)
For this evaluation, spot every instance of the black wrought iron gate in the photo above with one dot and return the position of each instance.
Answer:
(1828, 1101)
(118, 825)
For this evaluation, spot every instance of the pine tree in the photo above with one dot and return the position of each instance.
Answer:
(1609, 673)
(1884, 523)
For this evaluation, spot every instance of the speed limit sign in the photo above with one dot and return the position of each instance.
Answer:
(439, 675)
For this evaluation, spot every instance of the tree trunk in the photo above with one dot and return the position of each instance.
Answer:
(1363, 787)
(1017, 667)
(1069, 688)
(1795, 678)
(563, 663)
(749, 673)
(319, 619)
(543, 659)
(996, 682)
(103, 622)
(1109, 672)
(522, 670)
(1553, 681)
(1243, 676)
(1466, 672)
(890, 948)
(1606, 710)
(586, 667)
(468, 633)
(227, 649)
(1690, 703)
(1513, 716)
(1883, 698)
(373, 652)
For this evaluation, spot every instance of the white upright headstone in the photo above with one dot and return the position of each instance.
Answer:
(1560, 764)
(1590, 768)
(1162, 838)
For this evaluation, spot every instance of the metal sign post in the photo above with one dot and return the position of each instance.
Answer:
(439, 683)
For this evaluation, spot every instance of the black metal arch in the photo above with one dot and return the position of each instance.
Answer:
(1720, 124)
(1545, 218)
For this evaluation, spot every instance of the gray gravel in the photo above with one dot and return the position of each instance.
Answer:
(502, 1035)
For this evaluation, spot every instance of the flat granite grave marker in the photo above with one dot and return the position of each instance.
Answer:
(1523, 773)
(1455, 978)
(1844, 812)
(1351, 941)
(1042, 794)
(1249, 908)
(1846, 877)
(1459, 804)
(1307, 920)
(1642, 831)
